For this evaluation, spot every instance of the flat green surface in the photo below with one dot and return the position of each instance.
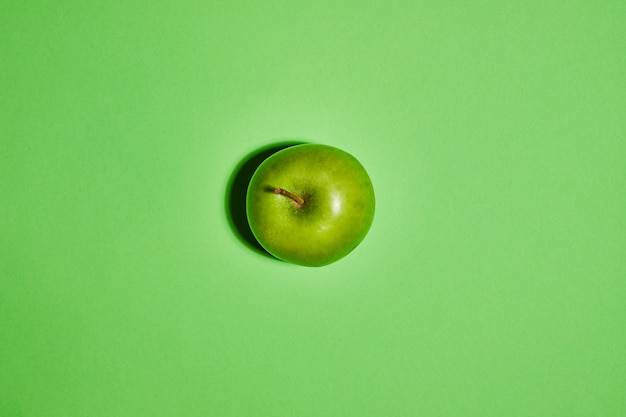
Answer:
(492, 282)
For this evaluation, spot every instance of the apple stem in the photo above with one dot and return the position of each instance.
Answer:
(299, 200)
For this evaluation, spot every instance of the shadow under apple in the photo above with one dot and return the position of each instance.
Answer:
(235, 199)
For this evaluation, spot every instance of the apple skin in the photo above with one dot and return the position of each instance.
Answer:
(337, 212)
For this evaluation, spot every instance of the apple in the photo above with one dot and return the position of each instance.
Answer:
(310, 204)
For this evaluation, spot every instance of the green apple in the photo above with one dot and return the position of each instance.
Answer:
(310, 204)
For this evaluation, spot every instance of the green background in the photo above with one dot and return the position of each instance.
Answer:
(493, 280)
